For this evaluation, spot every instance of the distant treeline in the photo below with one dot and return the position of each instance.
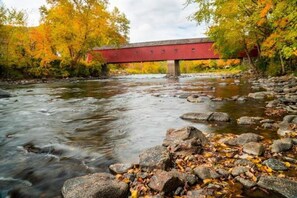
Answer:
(229, 65)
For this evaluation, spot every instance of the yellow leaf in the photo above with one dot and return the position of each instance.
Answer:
(281, 175)
(206, 181)
(287, 164)
(134, 193)
(126, 180)
(208, 155)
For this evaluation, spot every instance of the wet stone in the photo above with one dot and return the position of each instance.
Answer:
(223, 172)
(245, 120)
(281, 145)
(245, 182)
(286, 187)
(244, 162)
(95, 185)
(253, 148)
(244, 138)
(210, 116)
(188, 136)
(196, 116)
(166, 182)
(239, 170)
(204, 172)
(155, 157)
(120, 168)
(275, 164)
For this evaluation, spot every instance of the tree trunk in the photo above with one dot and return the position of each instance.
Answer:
(282, 63)
(251, 62)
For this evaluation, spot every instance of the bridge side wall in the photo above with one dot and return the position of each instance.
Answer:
(193, 51)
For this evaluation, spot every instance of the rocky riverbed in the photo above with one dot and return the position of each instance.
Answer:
(191, 163)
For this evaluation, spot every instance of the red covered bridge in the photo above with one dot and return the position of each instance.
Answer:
(171, 50)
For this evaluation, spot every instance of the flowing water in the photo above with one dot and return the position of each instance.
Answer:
(52, 132)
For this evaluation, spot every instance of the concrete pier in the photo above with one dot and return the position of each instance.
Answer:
(173, 68)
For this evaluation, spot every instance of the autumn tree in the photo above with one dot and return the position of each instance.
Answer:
(12, 38)
(243, 25)
(77, 26)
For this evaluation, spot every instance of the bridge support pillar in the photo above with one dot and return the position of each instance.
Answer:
(173, 69)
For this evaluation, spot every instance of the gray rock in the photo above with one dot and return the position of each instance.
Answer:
(196, 194)
(244, 162)
(210, 116)
(219, 117)
(174, 137)
(223, 172)
(286, 187)
(244, 138)
(163, 181)
(204, 172)
(95, 185)
(188, 178)
(275, 164)
(281, 145)
(155, 157)
(245, 182)
(237, 170)
(267, 121)
(197, 99)
(245, 120)
(285, 129)
(253, 148)
(289, 119)
(196, 116)
(4, 94)
(272, 103)
(261, 95)
(120, 168)
(269, 126)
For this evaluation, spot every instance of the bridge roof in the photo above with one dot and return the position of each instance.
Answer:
(158, 43)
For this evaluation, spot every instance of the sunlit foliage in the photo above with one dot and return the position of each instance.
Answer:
(236, 26)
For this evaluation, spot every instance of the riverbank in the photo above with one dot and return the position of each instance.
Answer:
(190, 163)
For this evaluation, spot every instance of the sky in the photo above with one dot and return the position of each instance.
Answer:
(150, 20)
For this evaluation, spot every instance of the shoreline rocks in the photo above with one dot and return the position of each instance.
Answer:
(95, 185)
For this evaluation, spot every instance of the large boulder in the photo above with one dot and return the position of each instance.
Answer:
(281, 145)
(286, 187)
(4, 94)
(95, 185)
(156, 157)
(244, 138)
(209, 116)
(187, 140)
(163, 181)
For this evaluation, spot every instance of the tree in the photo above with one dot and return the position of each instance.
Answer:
(77, 26)
(242, 25)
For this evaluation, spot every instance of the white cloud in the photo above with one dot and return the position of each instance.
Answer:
(149, 20)
(30, 6)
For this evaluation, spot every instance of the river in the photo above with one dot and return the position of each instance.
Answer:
(54, 131)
